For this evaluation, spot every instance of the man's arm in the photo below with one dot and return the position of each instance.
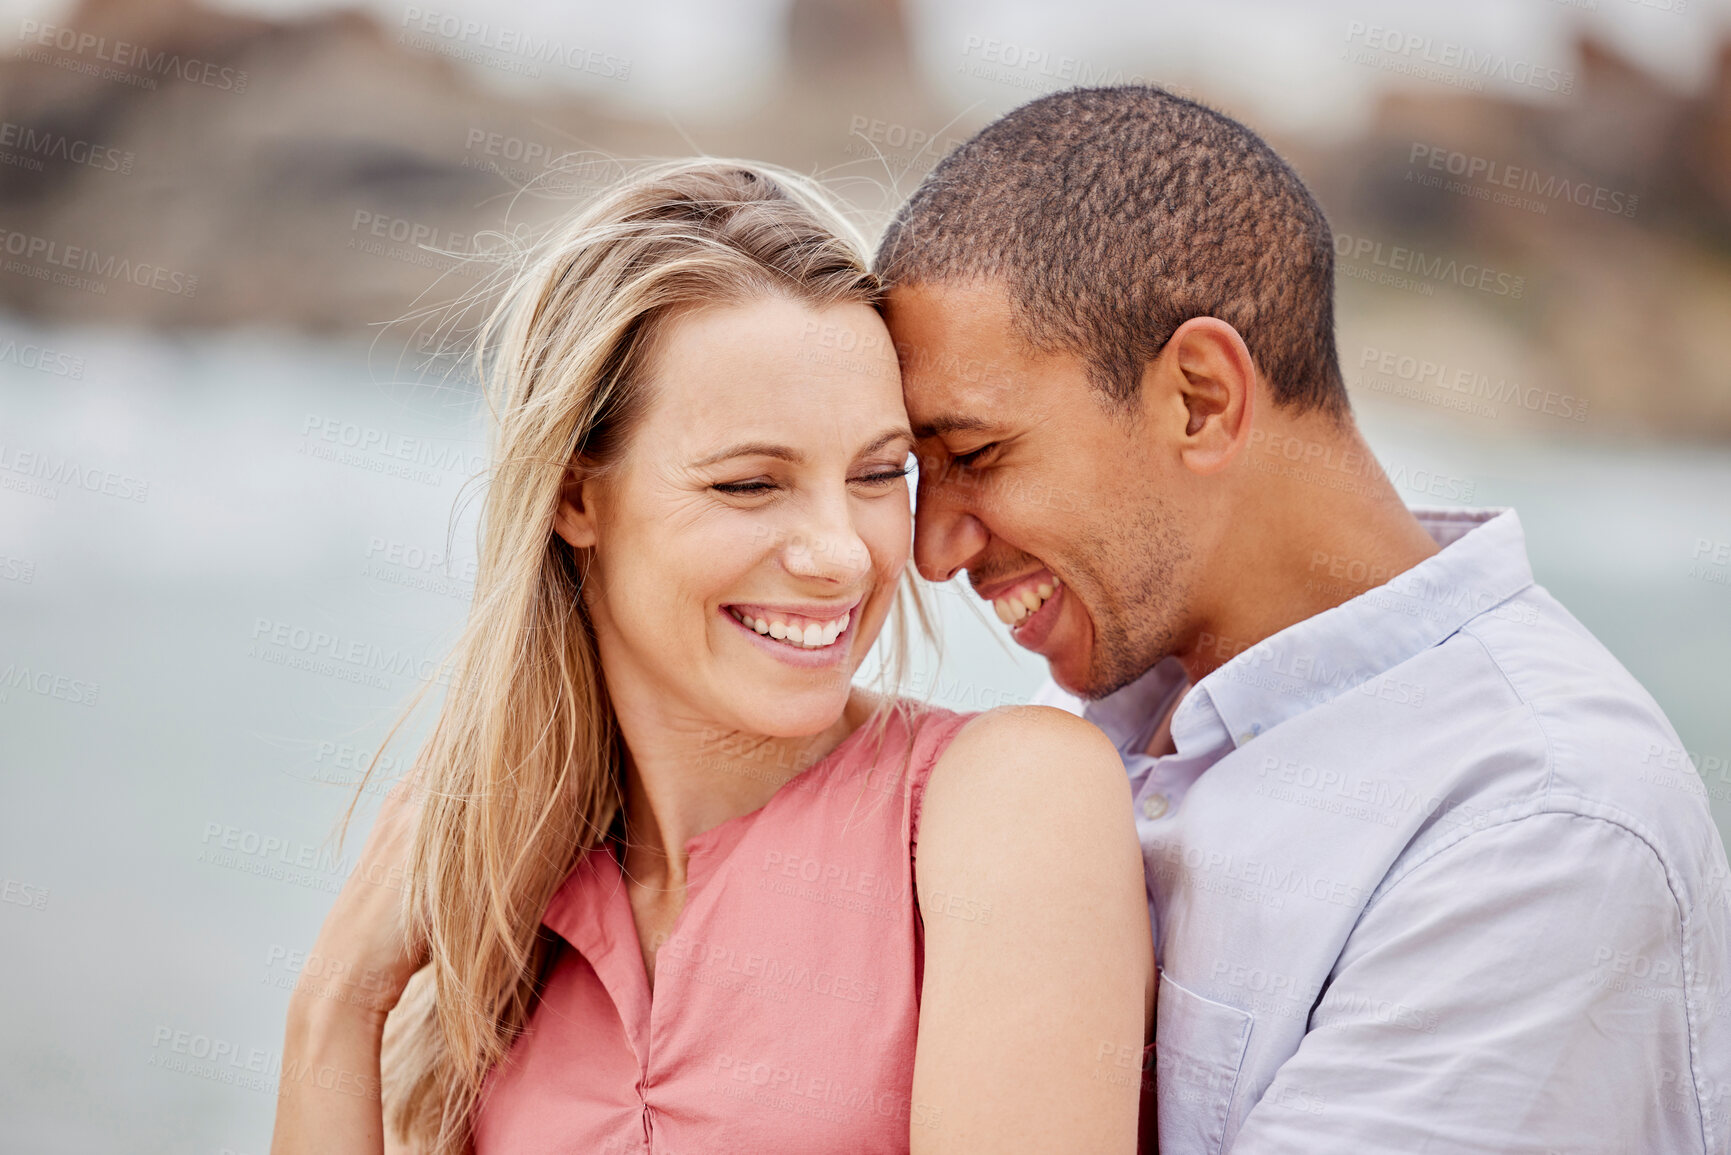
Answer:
(1534, 987)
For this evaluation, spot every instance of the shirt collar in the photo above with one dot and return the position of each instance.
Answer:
(1127, 715)
(1482, 563)
(1198, 727)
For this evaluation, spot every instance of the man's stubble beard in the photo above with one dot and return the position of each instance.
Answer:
(1137, 616)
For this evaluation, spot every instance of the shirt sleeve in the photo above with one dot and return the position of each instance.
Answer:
(1532, 988)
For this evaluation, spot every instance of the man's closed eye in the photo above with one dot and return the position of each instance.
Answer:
(971, 458)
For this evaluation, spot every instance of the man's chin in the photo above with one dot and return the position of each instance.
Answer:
(1068, 661)
(1076, 668)
(1079, 684)
(1069, 644)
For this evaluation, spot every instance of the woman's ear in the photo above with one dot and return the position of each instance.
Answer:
(574, 520)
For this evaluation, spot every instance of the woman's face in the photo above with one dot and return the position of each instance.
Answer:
(748, 546)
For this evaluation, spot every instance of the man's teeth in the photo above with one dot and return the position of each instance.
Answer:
(1012, 609)
(806, 636)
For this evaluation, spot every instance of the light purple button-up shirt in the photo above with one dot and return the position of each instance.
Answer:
(1429, 873)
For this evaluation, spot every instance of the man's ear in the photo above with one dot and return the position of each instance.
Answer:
(1204, 376)
(575, 519)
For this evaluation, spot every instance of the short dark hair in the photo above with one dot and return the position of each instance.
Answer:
(1114, 215)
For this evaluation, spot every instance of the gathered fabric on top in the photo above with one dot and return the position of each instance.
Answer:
(786, 1001)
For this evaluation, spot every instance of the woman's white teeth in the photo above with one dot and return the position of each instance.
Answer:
(812, 635)
(1013, 608)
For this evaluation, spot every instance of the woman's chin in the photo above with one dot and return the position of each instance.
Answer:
(799, 715)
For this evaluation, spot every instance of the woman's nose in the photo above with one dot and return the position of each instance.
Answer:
(830, 550)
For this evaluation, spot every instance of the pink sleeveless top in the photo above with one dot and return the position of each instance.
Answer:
(786, 1000)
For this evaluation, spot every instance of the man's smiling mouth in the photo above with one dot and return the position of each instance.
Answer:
(1021, 599)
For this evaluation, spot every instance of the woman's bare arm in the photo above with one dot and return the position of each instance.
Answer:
(328, 1094)
(1038, 961)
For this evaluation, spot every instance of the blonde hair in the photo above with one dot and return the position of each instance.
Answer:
(521, 774)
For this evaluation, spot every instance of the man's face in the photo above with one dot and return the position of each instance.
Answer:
(1066, 513)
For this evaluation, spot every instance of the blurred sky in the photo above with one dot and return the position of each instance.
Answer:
(1275, 59)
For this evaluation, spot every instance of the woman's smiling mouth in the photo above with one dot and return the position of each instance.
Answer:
(809, 628)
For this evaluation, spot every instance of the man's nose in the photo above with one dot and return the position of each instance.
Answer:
(947, 534)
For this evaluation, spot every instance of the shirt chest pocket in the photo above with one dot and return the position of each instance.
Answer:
(1199, 1045)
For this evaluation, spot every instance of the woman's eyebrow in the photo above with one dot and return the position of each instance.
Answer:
(753, 449)
(901, 432)
(789, 454)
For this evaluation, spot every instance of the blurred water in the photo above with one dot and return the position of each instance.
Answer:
(208, 627)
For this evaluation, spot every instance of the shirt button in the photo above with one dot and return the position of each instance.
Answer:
(1154, 806)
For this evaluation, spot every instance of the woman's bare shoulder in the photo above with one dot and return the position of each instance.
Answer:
(1017, 766)
(1044, 743)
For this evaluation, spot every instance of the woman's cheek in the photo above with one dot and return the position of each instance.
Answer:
(890, 537)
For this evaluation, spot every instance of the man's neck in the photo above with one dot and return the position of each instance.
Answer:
(1160, 743)
(1316, 523)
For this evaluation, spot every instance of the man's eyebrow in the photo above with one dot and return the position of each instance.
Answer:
(752, 449)
(950, 423)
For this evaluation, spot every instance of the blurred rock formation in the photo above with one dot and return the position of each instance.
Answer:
(170, 165)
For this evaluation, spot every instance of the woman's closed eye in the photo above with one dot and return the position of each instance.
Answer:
(886, 475)
(744, 488)
(879, 477)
